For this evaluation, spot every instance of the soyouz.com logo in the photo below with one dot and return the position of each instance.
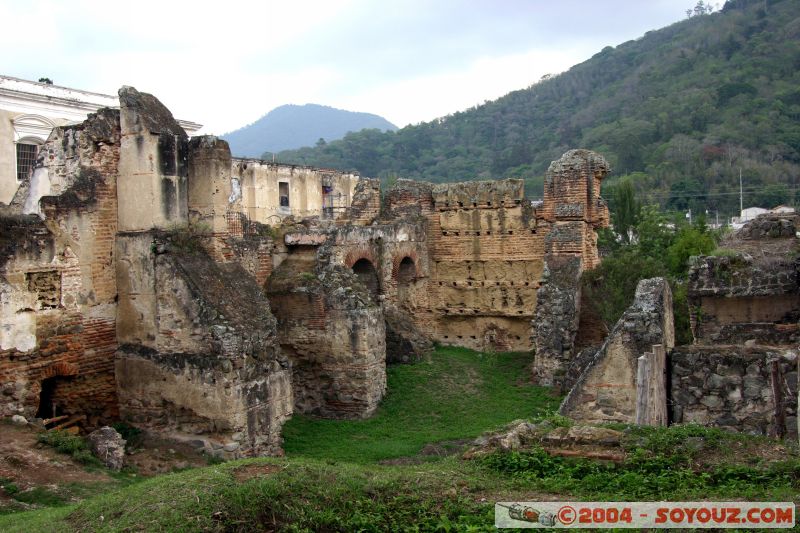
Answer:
(768, 515)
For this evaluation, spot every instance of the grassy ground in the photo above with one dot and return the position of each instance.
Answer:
(456, 394)
(329, 481)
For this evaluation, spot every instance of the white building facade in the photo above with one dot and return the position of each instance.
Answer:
(28, 113)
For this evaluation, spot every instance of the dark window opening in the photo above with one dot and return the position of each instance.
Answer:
(406, 271)
(283, 194)
(26, 160)
(368, 275)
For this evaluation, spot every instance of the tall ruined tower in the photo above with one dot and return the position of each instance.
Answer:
(575, 210)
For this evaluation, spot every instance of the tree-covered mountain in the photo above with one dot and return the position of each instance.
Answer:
(293, 126)
(680, 112)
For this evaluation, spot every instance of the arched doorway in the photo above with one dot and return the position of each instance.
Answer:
(50, 404)
(366, 272)
(406, 274)
(406, 271)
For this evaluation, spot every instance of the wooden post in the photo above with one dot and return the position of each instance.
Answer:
(651, 388)
(777, 398)
(658, 379)
(641, 390)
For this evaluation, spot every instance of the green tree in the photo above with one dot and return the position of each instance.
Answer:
(772, 195)
(624, 210)
(689, 241)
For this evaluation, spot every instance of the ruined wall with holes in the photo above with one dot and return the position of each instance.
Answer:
(270, 192)
(488, 251)
(57, 282)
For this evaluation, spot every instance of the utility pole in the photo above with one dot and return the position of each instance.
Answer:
(741, 200)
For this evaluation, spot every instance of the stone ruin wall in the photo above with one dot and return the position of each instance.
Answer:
(146, 276)
(741, 372)
(57, 280)
(735, 388)
(606, 390)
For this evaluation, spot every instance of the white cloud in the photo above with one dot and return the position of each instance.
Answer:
(226, 64)
(425, 98)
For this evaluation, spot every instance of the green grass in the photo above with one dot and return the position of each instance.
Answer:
(455, 394)
(329, 481)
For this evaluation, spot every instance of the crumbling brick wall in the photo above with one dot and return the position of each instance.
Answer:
(575, 210)
(332, 331)
(57, 278)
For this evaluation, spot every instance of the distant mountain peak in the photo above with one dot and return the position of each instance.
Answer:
(293, 126)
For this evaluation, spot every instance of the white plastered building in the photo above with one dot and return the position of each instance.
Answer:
(29, 111)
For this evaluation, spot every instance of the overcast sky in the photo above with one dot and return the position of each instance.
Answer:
(227, 63)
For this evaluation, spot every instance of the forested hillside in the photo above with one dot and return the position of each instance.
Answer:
(680, 112)
(293, 126)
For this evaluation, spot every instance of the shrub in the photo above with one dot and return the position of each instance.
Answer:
(68, 444)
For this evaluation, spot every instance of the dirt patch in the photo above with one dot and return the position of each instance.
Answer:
(155, 456)
(30, 464)
(743, 452)
(445, 447)
(434, 449)
(247, 472)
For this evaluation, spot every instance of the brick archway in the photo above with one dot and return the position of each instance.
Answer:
(49, 398)
(356, 254)
(61, 368)
(398, 261)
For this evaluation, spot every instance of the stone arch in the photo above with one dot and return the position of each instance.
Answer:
(368, 274)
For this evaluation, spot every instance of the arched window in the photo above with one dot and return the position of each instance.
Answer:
(406, 271)
(27, 150)
(30, 131)
(368, 275)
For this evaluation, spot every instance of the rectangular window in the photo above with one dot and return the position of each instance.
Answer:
(283, 193)
(26, 160)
